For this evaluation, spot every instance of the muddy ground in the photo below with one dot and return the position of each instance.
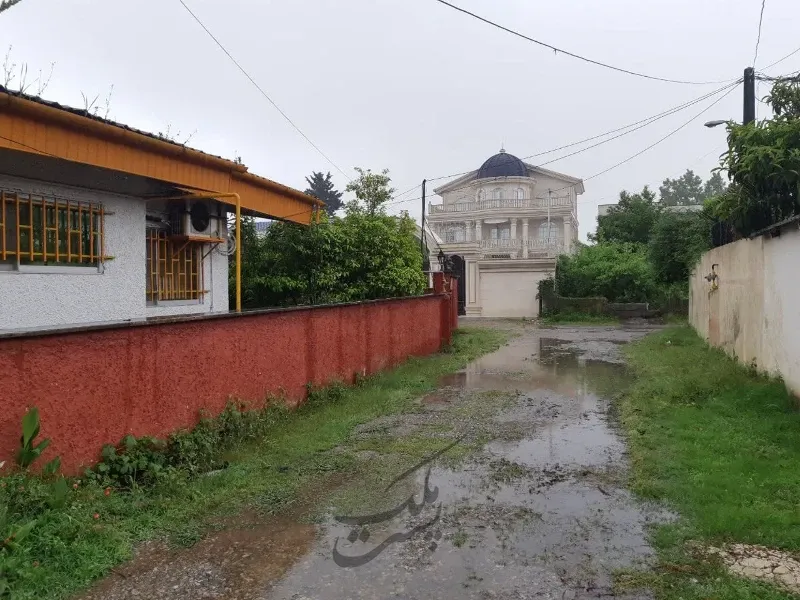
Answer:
(530, 502)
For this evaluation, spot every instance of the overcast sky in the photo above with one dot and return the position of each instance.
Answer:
(411, 85)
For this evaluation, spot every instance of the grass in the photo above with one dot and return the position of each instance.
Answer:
(70, 548)
(718, 443)
(574, 318)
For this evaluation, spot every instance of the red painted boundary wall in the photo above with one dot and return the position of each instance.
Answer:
(95, 385)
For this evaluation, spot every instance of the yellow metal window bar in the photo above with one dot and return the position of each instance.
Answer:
(174, 269)
(39, 230)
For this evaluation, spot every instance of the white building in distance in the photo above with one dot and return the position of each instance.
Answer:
(505, 224)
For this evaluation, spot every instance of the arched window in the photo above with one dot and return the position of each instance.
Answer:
(497, 194)
(520, 194)
(545, 233)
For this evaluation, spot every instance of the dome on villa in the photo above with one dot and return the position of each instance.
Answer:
(502, 164)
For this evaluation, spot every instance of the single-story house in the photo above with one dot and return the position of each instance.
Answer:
(102, 222)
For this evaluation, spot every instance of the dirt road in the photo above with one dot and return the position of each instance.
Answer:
(529, 503)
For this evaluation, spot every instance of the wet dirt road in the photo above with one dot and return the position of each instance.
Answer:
(529, 503)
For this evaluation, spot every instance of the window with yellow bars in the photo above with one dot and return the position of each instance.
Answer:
(174, 268)
(41, 230)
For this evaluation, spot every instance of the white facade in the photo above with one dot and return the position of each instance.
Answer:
(508, 221)
(48, 297)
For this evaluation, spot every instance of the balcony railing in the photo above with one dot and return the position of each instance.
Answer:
(521, 248)
(510, 203)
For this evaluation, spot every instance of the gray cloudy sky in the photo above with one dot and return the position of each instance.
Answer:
(411, 85)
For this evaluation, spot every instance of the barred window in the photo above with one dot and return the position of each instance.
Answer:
(40, 230)
(174, 268)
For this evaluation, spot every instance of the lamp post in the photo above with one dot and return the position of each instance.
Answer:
(748, 100)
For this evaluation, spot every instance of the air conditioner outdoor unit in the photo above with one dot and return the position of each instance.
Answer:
(196, 218)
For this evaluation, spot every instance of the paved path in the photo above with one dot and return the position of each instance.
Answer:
(539, 510)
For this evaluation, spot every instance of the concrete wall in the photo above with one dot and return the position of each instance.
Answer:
(95, 385)
(116, 291)
(753, 314)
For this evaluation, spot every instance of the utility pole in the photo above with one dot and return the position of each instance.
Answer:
(749, 112)
(422, 228)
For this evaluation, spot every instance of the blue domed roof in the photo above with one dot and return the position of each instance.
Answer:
(502, 164)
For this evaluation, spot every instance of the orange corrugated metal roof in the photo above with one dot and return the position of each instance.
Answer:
(30, 124)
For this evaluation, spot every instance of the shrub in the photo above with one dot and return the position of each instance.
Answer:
(617, 272)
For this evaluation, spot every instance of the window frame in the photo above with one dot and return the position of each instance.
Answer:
(15, 202)
(153, 297)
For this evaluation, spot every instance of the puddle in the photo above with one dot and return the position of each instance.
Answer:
(537, 512)
(539, 516)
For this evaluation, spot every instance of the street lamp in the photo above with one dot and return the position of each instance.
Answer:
(715, 123)
(441, 259)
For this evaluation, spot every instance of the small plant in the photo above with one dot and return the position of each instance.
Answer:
(12, 565)
(134, 461)
(30, 451)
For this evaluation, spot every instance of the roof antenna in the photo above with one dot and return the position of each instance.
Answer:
(502, 148)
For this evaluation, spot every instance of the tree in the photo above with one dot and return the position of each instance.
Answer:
(714, 186)
(6, 4)
(619, 272)
(320, 186)
(785, 98)
(763, 163)
(631, 220)
(360, 256)
(686, 190)
(371, 189)
(676, 243)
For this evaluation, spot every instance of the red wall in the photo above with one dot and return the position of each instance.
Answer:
(95, 386)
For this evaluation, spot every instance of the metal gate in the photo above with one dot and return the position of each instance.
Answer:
(460, 271)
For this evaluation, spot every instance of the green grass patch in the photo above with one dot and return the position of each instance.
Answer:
(721, 445)
(574, 318)
(71, 546)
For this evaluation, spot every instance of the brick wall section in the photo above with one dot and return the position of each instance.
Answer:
(94, 386)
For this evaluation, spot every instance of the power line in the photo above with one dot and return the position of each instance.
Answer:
(572, 54)
(758, 39)
(632, 130)
(654, 144)
(263, 93)
(635, 125)
(780, 60)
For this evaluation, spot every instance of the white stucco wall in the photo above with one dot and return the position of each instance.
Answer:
(509, 293)
(116, 292)
(753, 314)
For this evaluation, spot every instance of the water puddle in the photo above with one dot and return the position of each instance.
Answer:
(539, 511)
(540, 515)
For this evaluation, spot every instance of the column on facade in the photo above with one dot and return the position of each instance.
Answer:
(513, 229)
(468, 231)
(525, 238)
(478, 224)
(567, 234)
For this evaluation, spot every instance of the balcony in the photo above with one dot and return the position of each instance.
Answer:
(481, 205)
(521, 248)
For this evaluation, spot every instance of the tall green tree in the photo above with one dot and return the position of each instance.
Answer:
(365, 254)
(763, 163)
(690, 190)
(686, 190)
(6, 4)
(320, 186)
(372, 190)
(631, 220)
(714, 186)
(676, 243)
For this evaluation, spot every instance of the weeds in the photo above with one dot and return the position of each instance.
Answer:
(719, 443)
(150, 489)
(567, 318)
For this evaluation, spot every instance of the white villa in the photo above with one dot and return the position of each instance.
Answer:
(505, 224)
